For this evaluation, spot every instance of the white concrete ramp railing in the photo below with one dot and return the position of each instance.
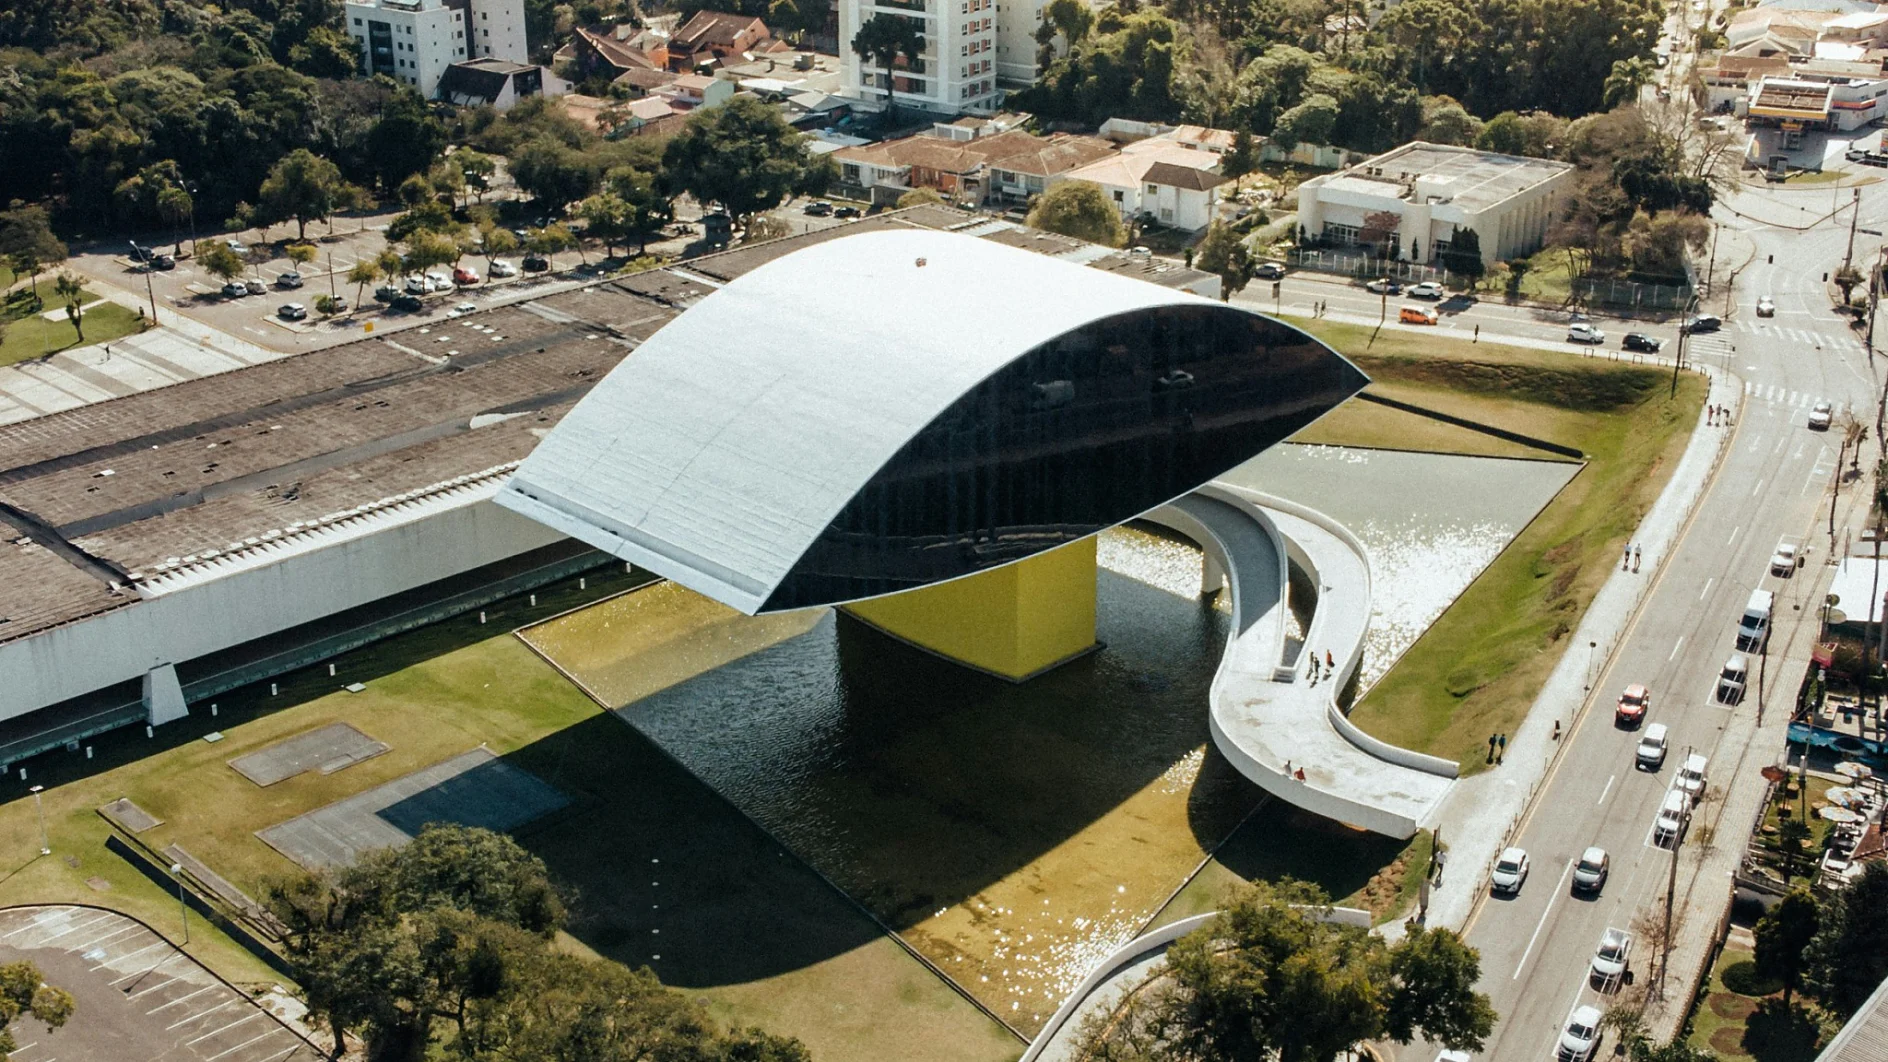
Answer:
(1267, 716)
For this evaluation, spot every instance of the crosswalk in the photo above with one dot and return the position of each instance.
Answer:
(1783, 396)
(1769, 328)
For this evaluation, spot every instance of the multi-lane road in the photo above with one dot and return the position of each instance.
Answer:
(1772, 486)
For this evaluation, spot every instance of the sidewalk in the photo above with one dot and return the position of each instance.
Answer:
(1483, 811)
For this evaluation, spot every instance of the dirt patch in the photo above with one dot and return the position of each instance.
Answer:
(1729, 1042)
(1731, 1007)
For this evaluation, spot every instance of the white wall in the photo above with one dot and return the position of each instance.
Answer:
(218, 613)
(425, 40)
(498, 31)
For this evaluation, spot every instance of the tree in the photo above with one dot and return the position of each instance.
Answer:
(744, 156)
(1224, 252)
(1312, 121)
(647, 207)
(1846, 278)
(219, 261)
(1243, 158)
(1069, 19)
(1848, 957)
(1464, 255)
(919, 197)
(300, 254)
(554, 172)
(23, 990)
(175, 205)
(362, 273)
(496, 241)
(305, 187)
(71, 293)
(1782, 935)
(1129, 68)
(605, 217)
(477, 168)
(1081, 210)
(405, 140)
(27, 240)
(1446, 122)
(1272, 977)
(1379, 231)
(884, 39)
(1626, 78)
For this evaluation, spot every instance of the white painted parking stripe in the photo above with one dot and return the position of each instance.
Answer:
(121, 931)
(265, 1035)
(200, 1015)
(140, 951)
(223, 1029)
(180, 999)
(73, 929)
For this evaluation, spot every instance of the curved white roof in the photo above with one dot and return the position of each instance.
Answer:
(719, 450)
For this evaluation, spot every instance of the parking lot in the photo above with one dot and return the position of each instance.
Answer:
(137, 995)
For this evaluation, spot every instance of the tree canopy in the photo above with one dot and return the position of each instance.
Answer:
(744, 156)
(1081, 210)
(1848, 956)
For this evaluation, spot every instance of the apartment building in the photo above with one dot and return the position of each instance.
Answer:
(414, 41)
(973, 50)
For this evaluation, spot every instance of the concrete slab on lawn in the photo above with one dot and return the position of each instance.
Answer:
(474, 788)
(128, 816)
(327, 749)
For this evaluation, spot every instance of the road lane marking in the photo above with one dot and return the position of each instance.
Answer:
(1542, 924)
(1753, 493)
(1679, 645)
(1707, 587)
(1608, 789)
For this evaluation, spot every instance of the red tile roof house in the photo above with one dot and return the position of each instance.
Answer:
(711, 37)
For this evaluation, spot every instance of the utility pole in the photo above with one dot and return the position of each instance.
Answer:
(1684, 331)
(183, 909)
(149, 292)
(1855, 215)
(1763, 670)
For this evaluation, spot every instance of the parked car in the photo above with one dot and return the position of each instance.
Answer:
(416, 286)
(536, 263)
(1641, 341)
(465, 276)
(1783, 561)
(1428, 289)
(1510, 871)
(1384, 286)
(1731, 679)
(1766, 307)
(502, 268)
(1589, 874)
(290, 279)
(292, 311)
(818, 208)
(235, 290)
(163, 262)
(1698, 323)
(1651, 753)
(384, 293)
(1673, 812)
(1580, 1040)
(462, 309)
(1691, 777)
(141, 254)
(1269, 271)
(438, 281)
(1820, 416)
(237, 246)
(848, 212)
(1585, 333)
(1612, 957)
(407, 303)
(1633, 702)
(256, 287)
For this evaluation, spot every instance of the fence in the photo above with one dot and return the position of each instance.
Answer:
(1600, 291)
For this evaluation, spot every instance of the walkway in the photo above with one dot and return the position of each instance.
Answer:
(140, 362)
(1268, 717)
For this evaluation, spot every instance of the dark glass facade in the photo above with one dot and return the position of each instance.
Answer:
(1088, 430)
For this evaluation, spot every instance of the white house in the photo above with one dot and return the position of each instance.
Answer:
(1436, 190)
(1174, 184)
(414, 41)
(497, 83)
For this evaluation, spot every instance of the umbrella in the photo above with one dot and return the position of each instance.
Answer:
(1844, 797)
(1854, 770)
(1839, 815)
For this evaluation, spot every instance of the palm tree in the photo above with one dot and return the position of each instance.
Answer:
(72, 292)
(883, 39)
(363, 273)
(174, 204)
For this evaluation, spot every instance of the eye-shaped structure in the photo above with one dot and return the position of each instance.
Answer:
(890, 410)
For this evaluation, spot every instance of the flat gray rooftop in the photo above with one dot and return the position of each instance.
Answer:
(1477, 179)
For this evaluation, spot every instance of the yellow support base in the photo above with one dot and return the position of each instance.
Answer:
(1015, 622)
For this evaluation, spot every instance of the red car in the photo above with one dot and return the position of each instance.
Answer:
(1632, 706)
(463, 276)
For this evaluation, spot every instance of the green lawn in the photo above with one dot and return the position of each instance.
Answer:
(1477, 669)
(1742, 1015)
(667, 873)
(27, 334)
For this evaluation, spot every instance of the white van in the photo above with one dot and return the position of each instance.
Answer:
(1651, 752)
(1691, 776)
(1731, 680)
(1671, 820)
(1754, 629)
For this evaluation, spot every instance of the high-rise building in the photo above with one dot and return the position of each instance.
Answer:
(968, 46)
(414, 41)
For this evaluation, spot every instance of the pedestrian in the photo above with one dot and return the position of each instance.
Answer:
(1635, 560)
(1329, 663)
(1491, 747)
(1503, 749)
(1556, 730)
(1710, 415)
(1625, 560)
(1287, 766)
(1478, 334)
(1299, 774)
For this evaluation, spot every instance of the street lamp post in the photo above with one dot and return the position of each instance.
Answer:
(183, 909)
(1591, 648)
(45, 845)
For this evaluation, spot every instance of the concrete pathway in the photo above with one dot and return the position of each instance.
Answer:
(158, 357)
(1485, 810)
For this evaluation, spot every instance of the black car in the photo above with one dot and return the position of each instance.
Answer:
(1269, 271)
(534, 263)
(383, 293)
(818, 208)
(847, 212)
(1641, 341)
(163, 262)
(1701, 323)
(407, 303)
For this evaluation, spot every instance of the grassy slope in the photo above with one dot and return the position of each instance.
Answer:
(1477, 669)
(33, 336)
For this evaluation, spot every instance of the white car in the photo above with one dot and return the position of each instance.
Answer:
(1428, 289)
(1585, 333)
(462, 309)
(502, 268)
(1651, 754)
(1671, 818)
(1453, 1056)
(1820, 415)
(1383, 286)
(1510, 871)
(438, 282)
(1731, 679)
(1783, 561)
(1766, 307)
(1691, 777)
(1613, 955)
(1580, 1040)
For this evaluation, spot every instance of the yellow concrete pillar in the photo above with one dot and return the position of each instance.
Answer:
(1016, 621)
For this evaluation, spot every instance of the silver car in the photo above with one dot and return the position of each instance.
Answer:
(1510, 871)
(1613, 955)
(1820, 415)
(1589, 874)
